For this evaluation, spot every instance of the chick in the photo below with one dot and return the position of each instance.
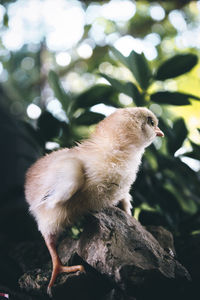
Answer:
(69, 183)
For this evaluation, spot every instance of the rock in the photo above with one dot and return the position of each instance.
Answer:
(164, 237)
(25, 256)
(87, 286)
(120, 257)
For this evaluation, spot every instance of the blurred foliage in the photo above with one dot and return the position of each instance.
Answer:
(167, 187)
(167, 190)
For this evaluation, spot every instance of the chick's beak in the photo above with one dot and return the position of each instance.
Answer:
(159, 132)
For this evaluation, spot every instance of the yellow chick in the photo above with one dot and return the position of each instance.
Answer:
(69, 183)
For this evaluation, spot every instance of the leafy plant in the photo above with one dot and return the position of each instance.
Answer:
(166, 191)
(77, 112)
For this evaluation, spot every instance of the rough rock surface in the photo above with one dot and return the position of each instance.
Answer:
(164, 237)
(122, 261)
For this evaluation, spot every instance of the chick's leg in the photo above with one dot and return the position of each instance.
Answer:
(125, 204)
(57, 264)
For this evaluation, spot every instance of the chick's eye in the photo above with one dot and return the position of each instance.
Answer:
(150, 121)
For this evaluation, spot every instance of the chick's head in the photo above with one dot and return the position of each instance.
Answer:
(136, 126)
(141, 125)
(131, 126)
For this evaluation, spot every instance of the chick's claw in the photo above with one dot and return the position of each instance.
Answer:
(58, 269)
(81, 271)
(49, 292)
(72, 269)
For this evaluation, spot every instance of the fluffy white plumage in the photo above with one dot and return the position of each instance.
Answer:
(97, 173)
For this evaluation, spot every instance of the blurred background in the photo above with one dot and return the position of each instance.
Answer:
(65, 65)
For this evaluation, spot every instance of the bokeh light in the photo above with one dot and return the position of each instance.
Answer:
(118, 10)
(93, 12)
(157, 12)
(127, 43)
(33, 111)
(63, 59)
(103, 109)
(125, 100)
(85, 51)
(153, 38)
(2, 12)
(177, 20)
(156, 109)
(1, 68)
(31, 21)
(55, 108)
(27, 63)
(51, 146)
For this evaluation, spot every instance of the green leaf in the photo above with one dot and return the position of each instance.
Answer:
(127, 88)
(138, 65)
(49, 127)
(94, 95)
(165, 128)
(116, 84)
(119, 56)
(195, 152)
(168, 201)
(89, 118)
(175, 66)
(132, 90)
(181, 196)
(179, 135)
(172, 98)
(59, 91)
(5, 20)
